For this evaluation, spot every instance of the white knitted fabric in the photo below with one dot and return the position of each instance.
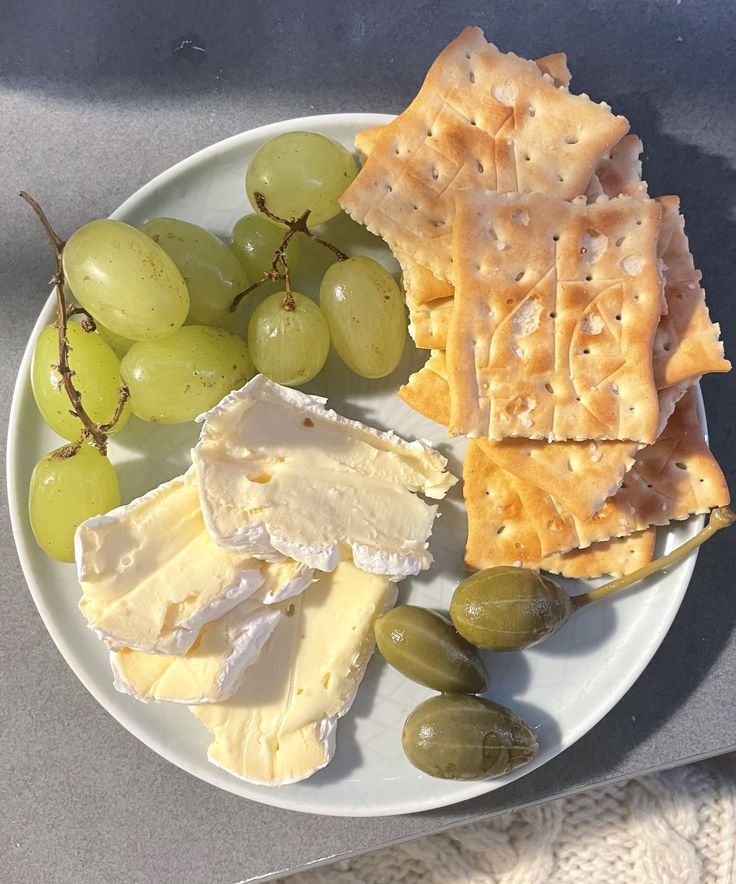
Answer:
(677, 827)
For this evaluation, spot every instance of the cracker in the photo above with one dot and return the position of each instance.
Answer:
(556, 307)
(428, 323)
(511, 521)
(427, 392)
(581, 476)
(687, 343)
(555, 65)
(616, 557)
(481, 119)
(619, 172)
(420, 284)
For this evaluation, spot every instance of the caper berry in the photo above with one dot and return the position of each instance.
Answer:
(507, 608)
(459, 737)
(425, 647)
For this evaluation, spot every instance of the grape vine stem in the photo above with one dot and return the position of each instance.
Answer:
(279, 265)
(96, 433)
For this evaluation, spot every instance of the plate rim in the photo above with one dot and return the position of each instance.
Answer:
(21, 389)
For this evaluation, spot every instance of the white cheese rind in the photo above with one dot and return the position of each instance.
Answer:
(151, 575)
(279, 726)
(278, 471)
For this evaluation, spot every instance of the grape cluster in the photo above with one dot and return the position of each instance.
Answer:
(158, 297)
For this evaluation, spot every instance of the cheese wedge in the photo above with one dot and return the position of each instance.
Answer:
(151, 575)
(279, 726)
(212, 668)
(280, 473)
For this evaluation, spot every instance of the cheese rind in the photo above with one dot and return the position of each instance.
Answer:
(280, 473)
(151, 575)
(213, 667)
(279, 726)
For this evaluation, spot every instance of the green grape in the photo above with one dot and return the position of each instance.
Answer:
(213, 275)
(96, 376)
(255, 240)
(288, 346)
(118, 343)
(125, 280)
(366, 316)
(299, 171)
(64, 491)
(174, 379)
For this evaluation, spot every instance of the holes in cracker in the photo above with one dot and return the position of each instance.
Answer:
(439, 223)
(572, 139)
(667, 346)
(471, 77)
(480, 168)
(519, 276)
(548, 387)
(532, 112)
(435, 174)
(501, 528)
(680, 465)
(556, 237)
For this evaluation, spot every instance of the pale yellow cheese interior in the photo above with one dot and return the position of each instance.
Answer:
(279, 725)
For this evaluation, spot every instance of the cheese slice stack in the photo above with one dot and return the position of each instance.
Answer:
(205, 589)
(279, 726)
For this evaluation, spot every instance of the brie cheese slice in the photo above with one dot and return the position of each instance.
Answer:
(279, 726)
(280, 473)
(152, 576)
(212, 668)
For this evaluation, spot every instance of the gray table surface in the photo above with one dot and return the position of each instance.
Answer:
(95, 99)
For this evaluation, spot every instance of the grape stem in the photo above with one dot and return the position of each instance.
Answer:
(96, 433)
(721, 517)
(279, 265)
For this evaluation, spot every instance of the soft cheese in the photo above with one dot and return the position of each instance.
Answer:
(279, 726)
(152, 576)
(279, 472)
(212, 668)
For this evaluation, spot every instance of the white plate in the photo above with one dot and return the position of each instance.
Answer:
(562, 688)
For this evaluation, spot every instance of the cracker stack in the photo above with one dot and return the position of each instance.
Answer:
(561, 304)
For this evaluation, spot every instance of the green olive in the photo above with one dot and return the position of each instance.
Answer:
(458, 737)
(507, 608)
(426, 648)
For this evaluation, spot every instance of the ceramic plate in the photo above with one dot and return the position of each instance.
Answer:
(562, 688)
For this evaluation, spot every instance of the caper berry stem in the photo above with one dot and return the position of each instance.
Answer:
(721, 517)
